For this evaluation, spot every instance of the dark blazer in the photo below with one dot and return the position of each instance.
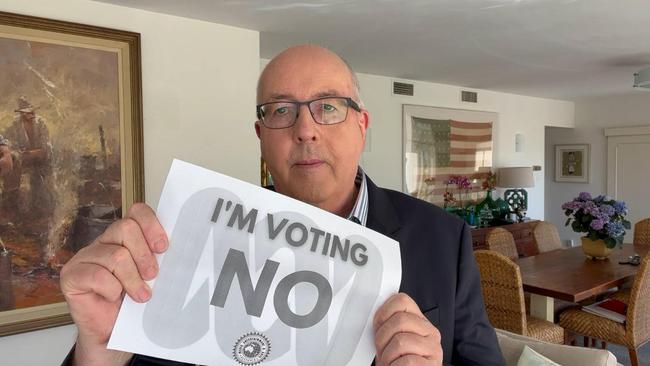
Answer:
(438, 271)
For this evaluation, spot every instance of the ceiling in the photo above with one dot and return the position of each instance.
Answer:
(563, 49)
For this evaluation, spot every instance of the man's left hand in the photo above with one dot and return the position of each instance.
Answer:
(404, 336)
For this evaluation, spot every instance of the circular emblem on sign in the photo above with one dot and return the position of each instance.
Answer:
(251, 349)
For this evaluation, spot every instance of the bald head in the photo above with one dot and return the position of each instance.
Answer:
(311, 56)
(310, 161)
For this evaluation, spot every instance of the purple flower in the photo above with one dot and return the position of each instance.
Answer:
(454, 179)
(590, 208)
(584, 196)
(620, 207)
(464, 183)
(460, 181)
(572, 205)
(602, 216)
(597, 224)
(607, 210)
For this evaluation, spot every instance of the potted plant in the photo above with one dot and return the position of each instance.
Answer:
(498, 208)
(463, 184)
(601, 218)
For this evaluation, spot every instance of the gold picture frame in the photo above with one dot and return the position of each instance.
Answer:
(80, 85)
(265, 174)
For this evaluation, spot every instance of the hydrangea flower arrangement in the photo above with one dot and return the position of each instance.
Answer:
(600, 217)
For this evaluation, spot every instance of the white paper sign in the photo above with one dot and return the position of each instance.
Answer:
(254, 277)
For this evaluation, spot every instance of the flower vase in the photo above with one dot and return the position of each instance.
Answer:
(595, 249)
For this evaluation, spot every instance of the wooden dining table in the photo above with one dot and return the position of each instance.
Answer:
(567, 274)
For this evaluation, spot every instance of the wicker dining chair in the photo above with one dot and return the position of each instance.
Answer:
(546, 237)
(503, 295)
(636, 329)
(642, 232)
(502, 241)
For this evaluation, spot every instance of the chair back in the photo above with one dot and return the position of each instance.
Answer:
(546, 237)
(642, 232)
(638, 311)
(502, 241)
(502, 290)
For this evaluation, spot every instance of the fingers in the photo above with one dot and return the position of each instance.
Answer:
(402, 323)
(412, 360)
(397, 303)
(153, 232)
(408, 345)
(117, 262)
(403, 335)
(124, 250)
(127, 233)
(84, 278)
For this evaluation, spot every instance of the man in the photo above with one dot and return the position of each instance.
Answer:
(32, 156)
(312, 125)
(6, 163)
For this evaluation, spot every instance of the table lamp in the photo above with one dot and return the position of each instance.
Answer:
(516, 179)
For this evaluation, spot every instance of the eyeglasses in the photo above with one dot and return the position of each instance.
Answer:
(325, 111)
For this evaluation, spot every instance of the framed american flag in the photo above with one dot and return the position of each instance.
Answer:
(442, 143)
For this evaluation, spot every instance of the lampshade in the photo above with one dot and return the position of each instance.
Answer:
(516, 177)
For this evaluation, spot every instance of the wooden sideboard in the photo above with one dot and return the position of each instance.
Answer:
(522, 232)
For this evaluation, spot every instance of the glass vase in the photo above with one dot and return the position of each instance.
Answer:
(488, 204)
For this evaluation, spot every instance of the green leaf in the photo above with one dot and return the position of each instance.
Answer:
(627, 224)
(568, 221)
(576, 226)
(610, 242)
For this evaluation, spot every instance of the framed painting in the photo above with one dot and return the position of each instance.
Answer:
(442, 147)
(71, 159)
(572, 163)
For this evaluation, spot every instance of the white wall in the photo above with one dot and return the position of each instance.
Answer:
(199, 95)
(517, 114)
(593, 115)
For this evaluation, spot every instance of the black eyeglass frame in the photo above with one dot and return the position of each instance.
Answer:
(350, 103)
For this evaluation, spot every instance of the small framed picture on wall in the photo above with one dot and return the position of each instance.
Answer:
(572, 163)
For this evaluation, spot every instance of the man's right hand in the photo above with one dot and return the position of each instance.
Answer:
(95, 280)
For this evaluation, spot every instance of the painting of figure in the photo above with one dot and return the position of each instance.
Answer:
(63, 127)
(59, 121)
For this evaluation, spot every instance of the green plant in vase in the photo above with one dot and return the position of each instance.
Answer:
(488, 203)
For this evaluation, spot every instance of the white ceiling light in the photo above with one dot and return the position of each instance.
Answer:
(642, 78)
